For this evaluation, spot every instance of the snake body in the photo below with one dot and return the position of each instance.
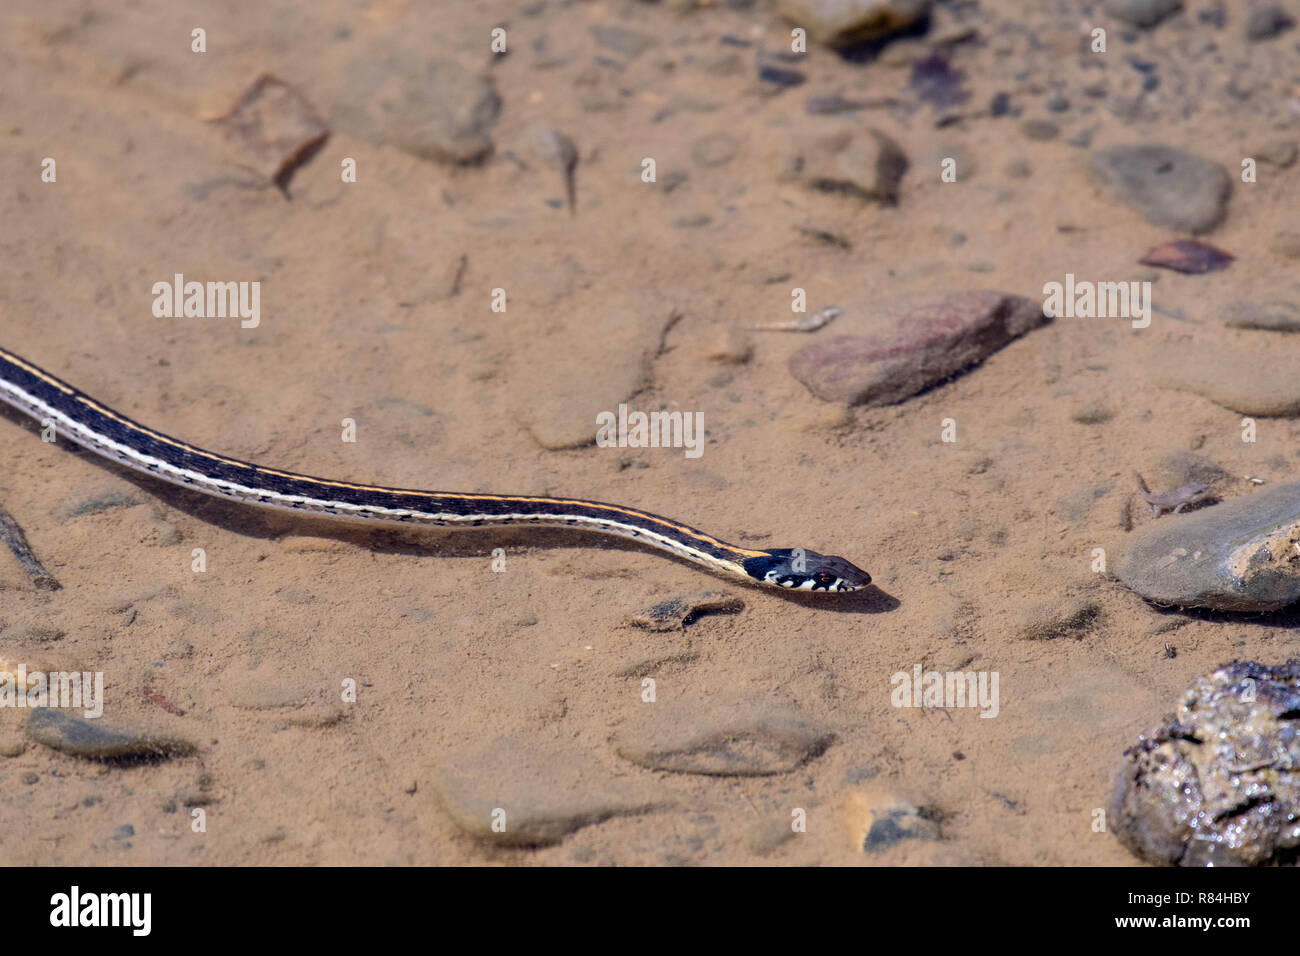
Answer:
(112, 435)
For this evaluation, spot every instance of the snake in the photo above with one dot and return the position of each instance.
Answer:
(111, 435)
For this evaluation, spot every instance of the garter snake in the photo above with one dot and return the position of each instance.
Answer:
(112, 435)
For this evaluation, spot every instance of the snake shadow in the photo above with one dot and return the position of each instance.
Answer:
(427, 541)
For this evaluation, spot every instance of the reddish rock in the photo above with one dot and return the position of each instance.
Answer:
(916, 346)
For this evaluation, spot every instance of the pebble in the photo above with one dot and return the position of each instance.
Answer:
(629, 43)
(1275, 316)
(274, 129)
(1143, 13)
(435, 110)
(1058, 104)
(880, 819)
(779, 77)
(1234, 556)
(842, 23)
(1188, 256)
(545, 791)
(865, 164)
(1000, 105)
(75, 735)
(1276, 152)
(1169, 187)
(913, 347)
(1066, 617)
(1267, 21)
(677, 613)
(935, 82)
(742, 738)
(1250, 382)
(1218, 782)
(1040, 130)
(715, 149)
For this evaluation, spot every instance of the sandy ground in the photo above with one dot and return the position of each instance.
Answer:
(968, 542)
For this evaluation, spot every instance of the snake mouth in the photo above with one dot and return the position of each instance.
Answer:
(798, 569)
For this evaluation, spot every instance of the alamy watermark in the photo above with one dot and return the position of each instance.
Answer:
(923, 688)
(62, 689)
(212, 300)
(651, 430)
(1083, 299)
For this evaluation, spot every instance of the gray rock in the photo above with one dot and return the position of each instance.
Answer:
(1168, 186)
(1235, 556)
(629, 43)
(865, 164)
(715, 149)
(1071, 617)
(435, 110)
(75, 735)
(545, 792)
(1143, 13)
(1267, 21)
(881, 818)
(1251, 382)
(1040, 130)
(1217, 783)
(1276, 152)
(728, 738)
(914, 347)
(840, 23)
(1276, 316)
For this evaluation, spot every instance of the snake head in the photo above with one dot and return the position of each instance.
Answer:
(799, 569)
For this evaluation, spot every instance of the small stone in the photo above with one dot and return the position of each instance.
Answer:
(1188, 256)
(1000, 105)
(514, 792)
(843, 23)
(1094, 413)
(629, 43)
(1169, 187)
(765, 836)
(432, 109)
(725, 738)
(1058, 104)
(1267, 21)
(678, 613)
(1235, 556)
(913, 347)
(1040, 130)
(1143, 13)
(865, 164)
(1252, 382)
(715, 149)
(1276, 152)
(275, 129)
(779, 77)
(1071, 617)
(71, 734)
(880, 819)
(1276, 316)
(1218, 782)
